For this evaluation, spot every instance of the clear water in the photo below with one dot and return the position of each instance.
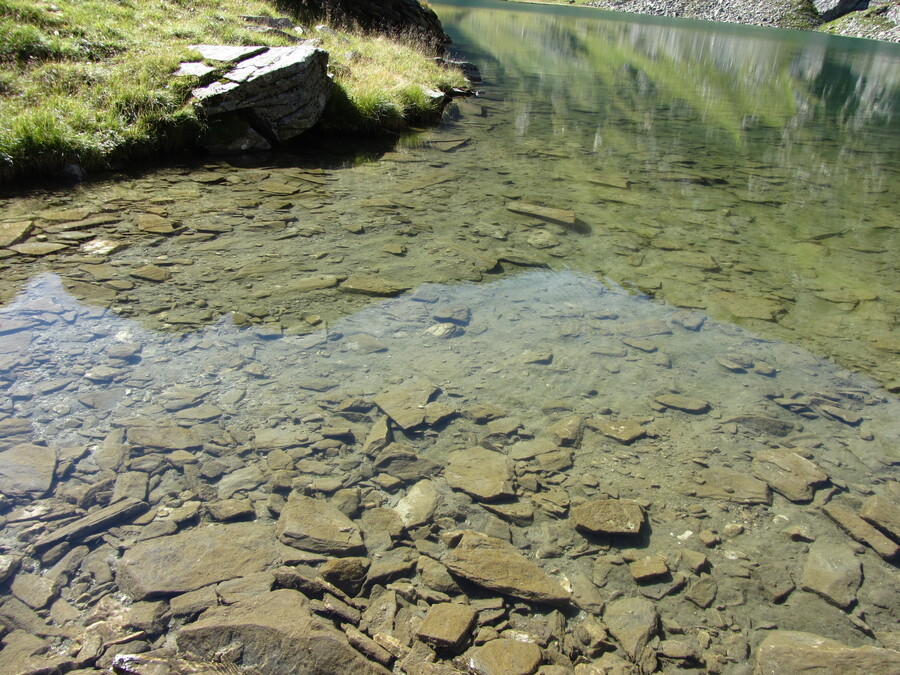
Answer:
(733, 240)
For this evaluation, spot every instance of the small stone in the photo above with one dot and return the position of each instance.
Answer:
(348, 574)
(623, 431)
(318, 526)
(150, 273)
(227, 510)
(683, 403)
(702, 592)
(648, 568)
(447, 625)
(709, 538)
(506, 657)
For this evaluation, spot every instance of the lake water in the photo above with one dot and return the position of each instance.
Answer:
(651, 258)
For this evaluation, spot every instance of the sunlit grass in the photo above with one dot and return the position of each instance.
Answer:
(90, 81)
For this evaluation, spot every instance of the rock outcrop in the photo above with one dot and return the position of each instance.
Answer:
(270, 96)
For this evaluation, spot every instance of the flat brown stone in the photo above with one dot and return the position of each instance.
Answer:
(481, 473)
(608, 516)
(788, 473)
(447, 624)
(683, 403)
(785, 651)
(13, 233)
(506, 657)
(623, 431)
(318, 526)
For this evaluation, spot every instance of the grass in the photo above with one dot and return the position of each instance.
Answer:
(89, 81)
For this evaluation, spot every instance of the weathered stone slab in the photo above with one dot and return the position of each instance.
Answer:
(38, 248)
(285, 87)
(318, 526)
(608, 516)
(419, 504)
(13, 233)
(405, 405)
(481, 473)
(731, 485)
(227, 53)
(882, 513)
(788, 473)
(447, 625)
(683, 403)
(862, 531)
(278, 635)
(402, 463)
(506, 657)
(623, 431)
(551, 215)
(785, 651)
(195, 558)
(163, 437)
(27, 470)
(369, 284)
(494, 564)
(632, 621)
(832, 572)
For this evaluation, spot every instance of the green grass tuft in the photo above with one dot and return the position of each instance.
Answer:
(90, 81)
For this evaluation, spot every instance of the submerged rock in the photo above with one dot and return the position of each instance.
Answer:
(315, 525)
(609, 516)
(496, 565)
(195, 558)
(787, 651)
(277, 633)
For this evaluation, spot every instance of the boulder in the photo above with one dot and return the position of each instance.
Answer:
(280, 91)
(787, 651)
(830, 10)
(195, 558)
(318, 526)
(278, 635)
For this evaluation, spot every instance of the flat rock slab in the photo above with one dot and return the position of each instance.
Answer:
(38, 248)
(623, 431)
(163, 437)
(13, 233)
(608, 516)
(506, 657)
(93, 522)
(730, 485)
(785, 651)
(788, 473)
(447, 625)
(27, 470)
(832, 572)
(277, 635)
(481, 473)
(367, 284)
(195, 558)
(405, 405)
(687, 404)
(419, 504)
(318, 526)
(494, 564)
(549, 214)
(862, 531)
(632, 621)
(883, 513)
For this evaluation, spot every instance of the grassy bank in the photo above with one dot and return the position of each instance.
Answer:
(90, 81)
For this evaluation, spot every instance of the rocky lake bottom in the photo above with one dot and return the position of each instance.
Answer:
(598, 376)
(537, 474)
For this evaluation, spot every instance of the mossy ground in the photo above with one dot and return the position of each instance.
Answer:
(90, 81)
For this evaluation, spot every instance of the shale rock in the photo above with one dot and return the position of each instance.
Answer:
(277, 633)
(786, 651)
(496, 565)
(316, 525)
(481, 473)
(194, 558)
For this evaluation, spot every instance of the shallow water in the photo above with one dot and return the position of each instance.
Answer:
(728, 235)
